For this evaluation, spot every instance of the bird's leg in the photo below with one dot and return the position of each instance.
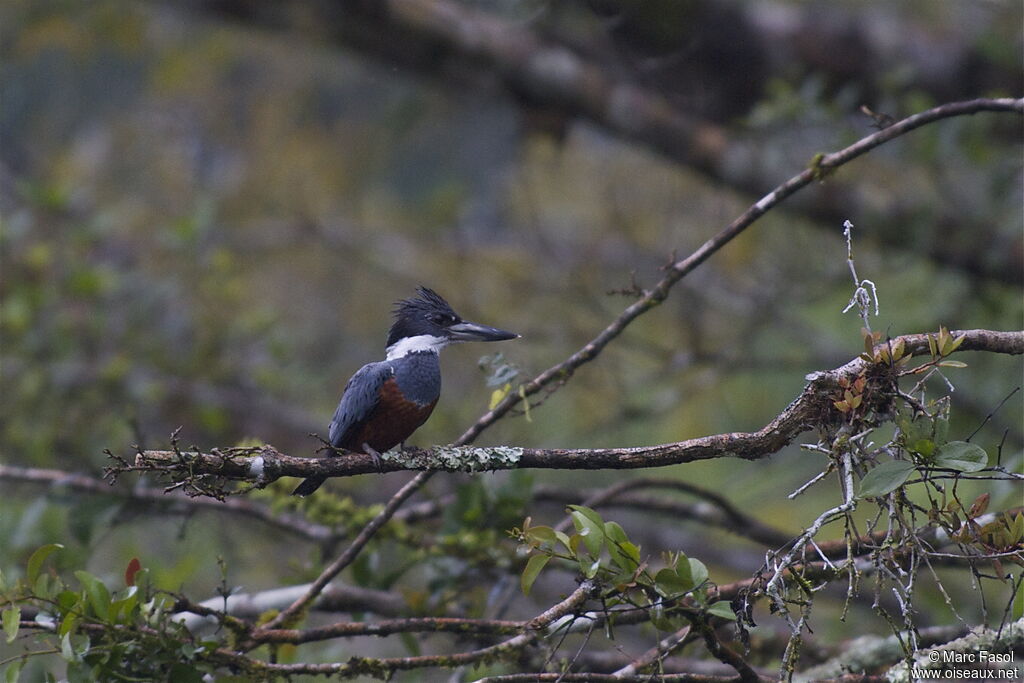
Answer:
(373, 453)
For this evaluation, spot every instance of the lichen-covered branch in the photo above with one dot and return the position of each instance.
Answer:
(1000, 647)
(813, 408)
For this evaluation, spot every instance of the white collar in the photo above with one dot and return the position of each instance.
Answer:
(417, 344)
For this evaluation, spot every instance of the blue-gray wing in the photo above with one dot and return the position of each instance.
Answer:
(361, 396)
(362, 393)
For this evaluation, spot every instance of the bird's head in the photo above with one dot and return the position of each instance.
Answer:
(427, 323)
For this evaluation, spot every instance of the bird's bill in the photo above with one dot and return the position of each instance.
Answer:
(467, 331)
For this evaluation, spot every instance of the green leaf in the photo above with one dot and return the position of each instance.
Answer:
(885, 478)
(626, 556)
(913, 430)
(1016, 528)
(533, 567)
(956, 343)
(79, 672)
(623, 553)
(698, 572)
(941, 428)
(961, 456)
(44, 587)
(588, 513)
(13, 671)
(668, 583)
(68, 624)
(574, 545)
(722, 609)
(66, 651)
(615, 532)
(66, 600)
(122, 608)
(35, 561)
(590, 529)
(682, 567)
(11, 617)
(923, 447)
(99, 596)
(562, 537)
(540, 534)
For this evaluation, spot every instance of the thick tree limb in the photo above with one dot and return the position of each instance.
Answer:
(812, 408)
(868, 653)
(1004, 641)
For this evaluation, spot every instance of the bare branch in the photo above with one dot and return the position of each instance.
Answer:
(719, 513)
(356, 666)
(171, 501)
(345, 629)
(335, 598)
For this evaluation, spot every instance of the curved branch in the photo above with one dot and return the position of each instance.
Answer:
(713, 513)
(812, 408)
(558, 374)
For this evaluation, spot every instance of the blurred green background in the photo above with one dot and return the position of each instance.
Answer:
(204, 225)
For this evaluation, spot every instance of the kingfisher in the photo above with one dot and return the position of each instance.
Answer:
(385, 402)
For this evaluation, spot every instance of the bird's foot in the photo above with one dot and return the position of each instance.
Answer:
(373, 453)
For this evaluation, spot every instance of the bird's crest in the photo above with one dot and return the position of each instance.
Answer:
(425, 301)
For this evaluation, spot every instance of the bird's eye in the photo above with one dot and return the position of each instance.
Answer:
(443, 319)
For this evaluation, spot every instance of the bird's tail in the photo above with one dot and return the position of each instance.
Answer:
(308, 486)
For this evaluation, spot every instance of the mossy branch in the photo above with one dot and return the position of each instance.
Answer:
(813, 408)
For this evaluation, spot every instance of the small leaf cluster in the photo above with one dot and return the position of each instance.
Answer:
(102, 634)
(852, 394)
(1005, 533)
(924, 440)
(943, 344)
(940, 345)
(894, 354)
(502, 374)
(601, 550)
